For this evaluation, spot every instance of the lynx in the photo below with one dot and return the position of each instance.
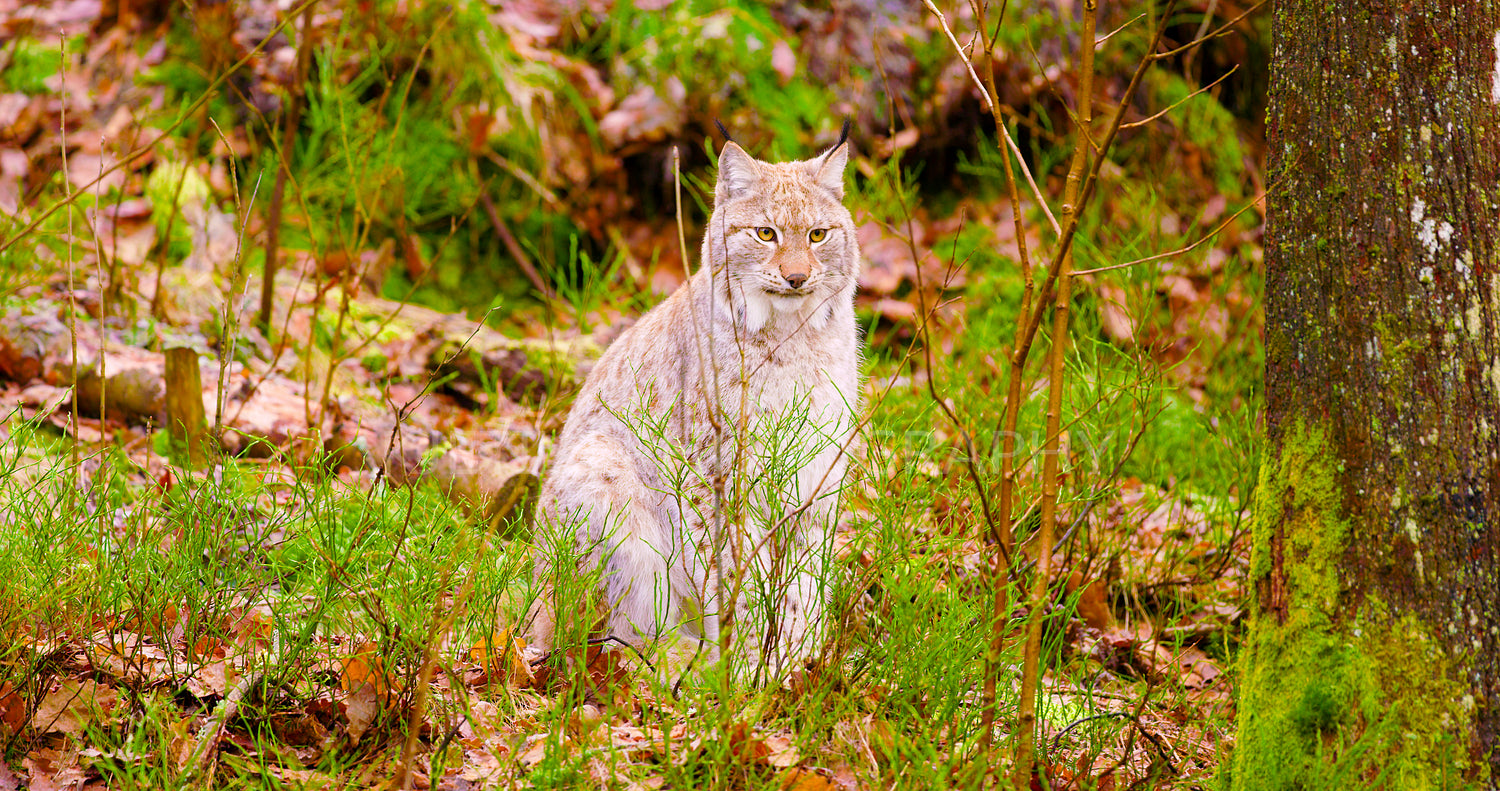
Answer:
(703, 458)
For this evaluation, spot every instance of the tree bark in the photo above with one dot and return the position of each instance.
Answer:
(1374, 644)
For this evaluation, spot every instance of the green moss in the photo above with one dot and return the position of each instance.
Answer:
(1334, 688)
(25, 65)
(1317, 714)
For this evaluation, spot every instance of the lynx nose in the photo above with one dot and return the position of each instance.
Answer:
(795, 279)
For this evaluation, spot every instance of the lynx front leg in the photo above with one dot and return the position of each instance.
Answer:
(620, 533)
(801, 623)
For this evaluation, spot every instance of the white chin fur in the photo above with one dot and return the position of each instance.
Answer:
(755, 310)
(788, 304)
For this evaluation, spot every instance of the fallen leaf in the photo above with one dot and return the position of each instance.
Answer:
(503, 658)
(796, 779)
(894, 309)
(84, 168)
(783, 753)
(48, 769)
(73, 705)
(1113, 318)
(364, 668)
(1092, 604)
(535, 752)
(646, 116)
(361, 708)
(12, 711)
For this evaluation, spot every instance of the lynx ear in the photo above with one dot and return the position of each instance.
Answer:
(737, 172)
(828, 170)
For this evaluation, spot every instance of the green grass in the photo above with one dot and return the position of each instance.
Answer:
(154, 587)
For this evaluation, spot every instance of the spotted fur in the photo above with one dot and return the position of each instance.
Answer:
(730, 403)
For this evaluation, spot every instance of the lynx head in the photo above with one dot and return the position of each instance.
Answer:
(781, 233)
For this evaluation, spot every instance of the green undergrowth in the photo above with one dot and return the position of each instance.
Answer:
(287, 580)
(273, 577)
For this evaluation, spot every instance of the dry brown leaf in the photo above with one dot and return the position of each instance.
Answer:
(12, 711)
(84, 168)
(503, 658)
(1114, 319)
(19, 118)
(888, 262)
(796, 779)
(894, 309)
(748, 747)
(127, 243)
(368, 685)
(14, 166)
(364, 668)
(646, 116)
(1092, 603)
(782, 752)
(534, 752)
(308, 779)
(72, 705)
(51, 769)
(211, 680)
(361, 708)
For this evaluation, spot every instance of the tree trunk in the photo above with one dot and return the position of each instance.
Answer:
(1374, 645)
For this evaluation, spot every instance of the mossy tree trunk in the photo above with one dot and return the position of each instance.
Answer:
(1374, 644)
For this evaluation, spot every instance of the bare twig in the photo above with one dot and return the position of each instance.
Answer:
(205, 746)
(1070, 228)
(1174, 105)
(1179, 251)
(69, 197)
(290, 122)
(1098, 42)
(1051, 474)
(991, 99)
(1221, 30)
(1036, 192)
(514, 248)
(989, 102)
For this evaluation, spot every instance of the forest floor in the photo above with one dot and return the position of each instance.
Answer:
(317, 576)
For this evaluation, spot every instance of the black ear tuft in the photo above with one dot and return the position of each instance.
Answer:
(725, 132)
(843, 133)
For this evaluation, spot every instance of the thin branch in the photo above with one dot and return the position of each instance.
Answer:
(290, 122)
(1218, 31)
(1174, 105)
(1036, 191)
(1098, 42)
(1025, 731)
(514, 248)
(989, 102)
(1179, 251)
(1071, 227)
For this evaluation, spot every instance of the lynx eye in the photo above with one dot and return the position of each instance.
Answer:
(765, 234)
(817, 235)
